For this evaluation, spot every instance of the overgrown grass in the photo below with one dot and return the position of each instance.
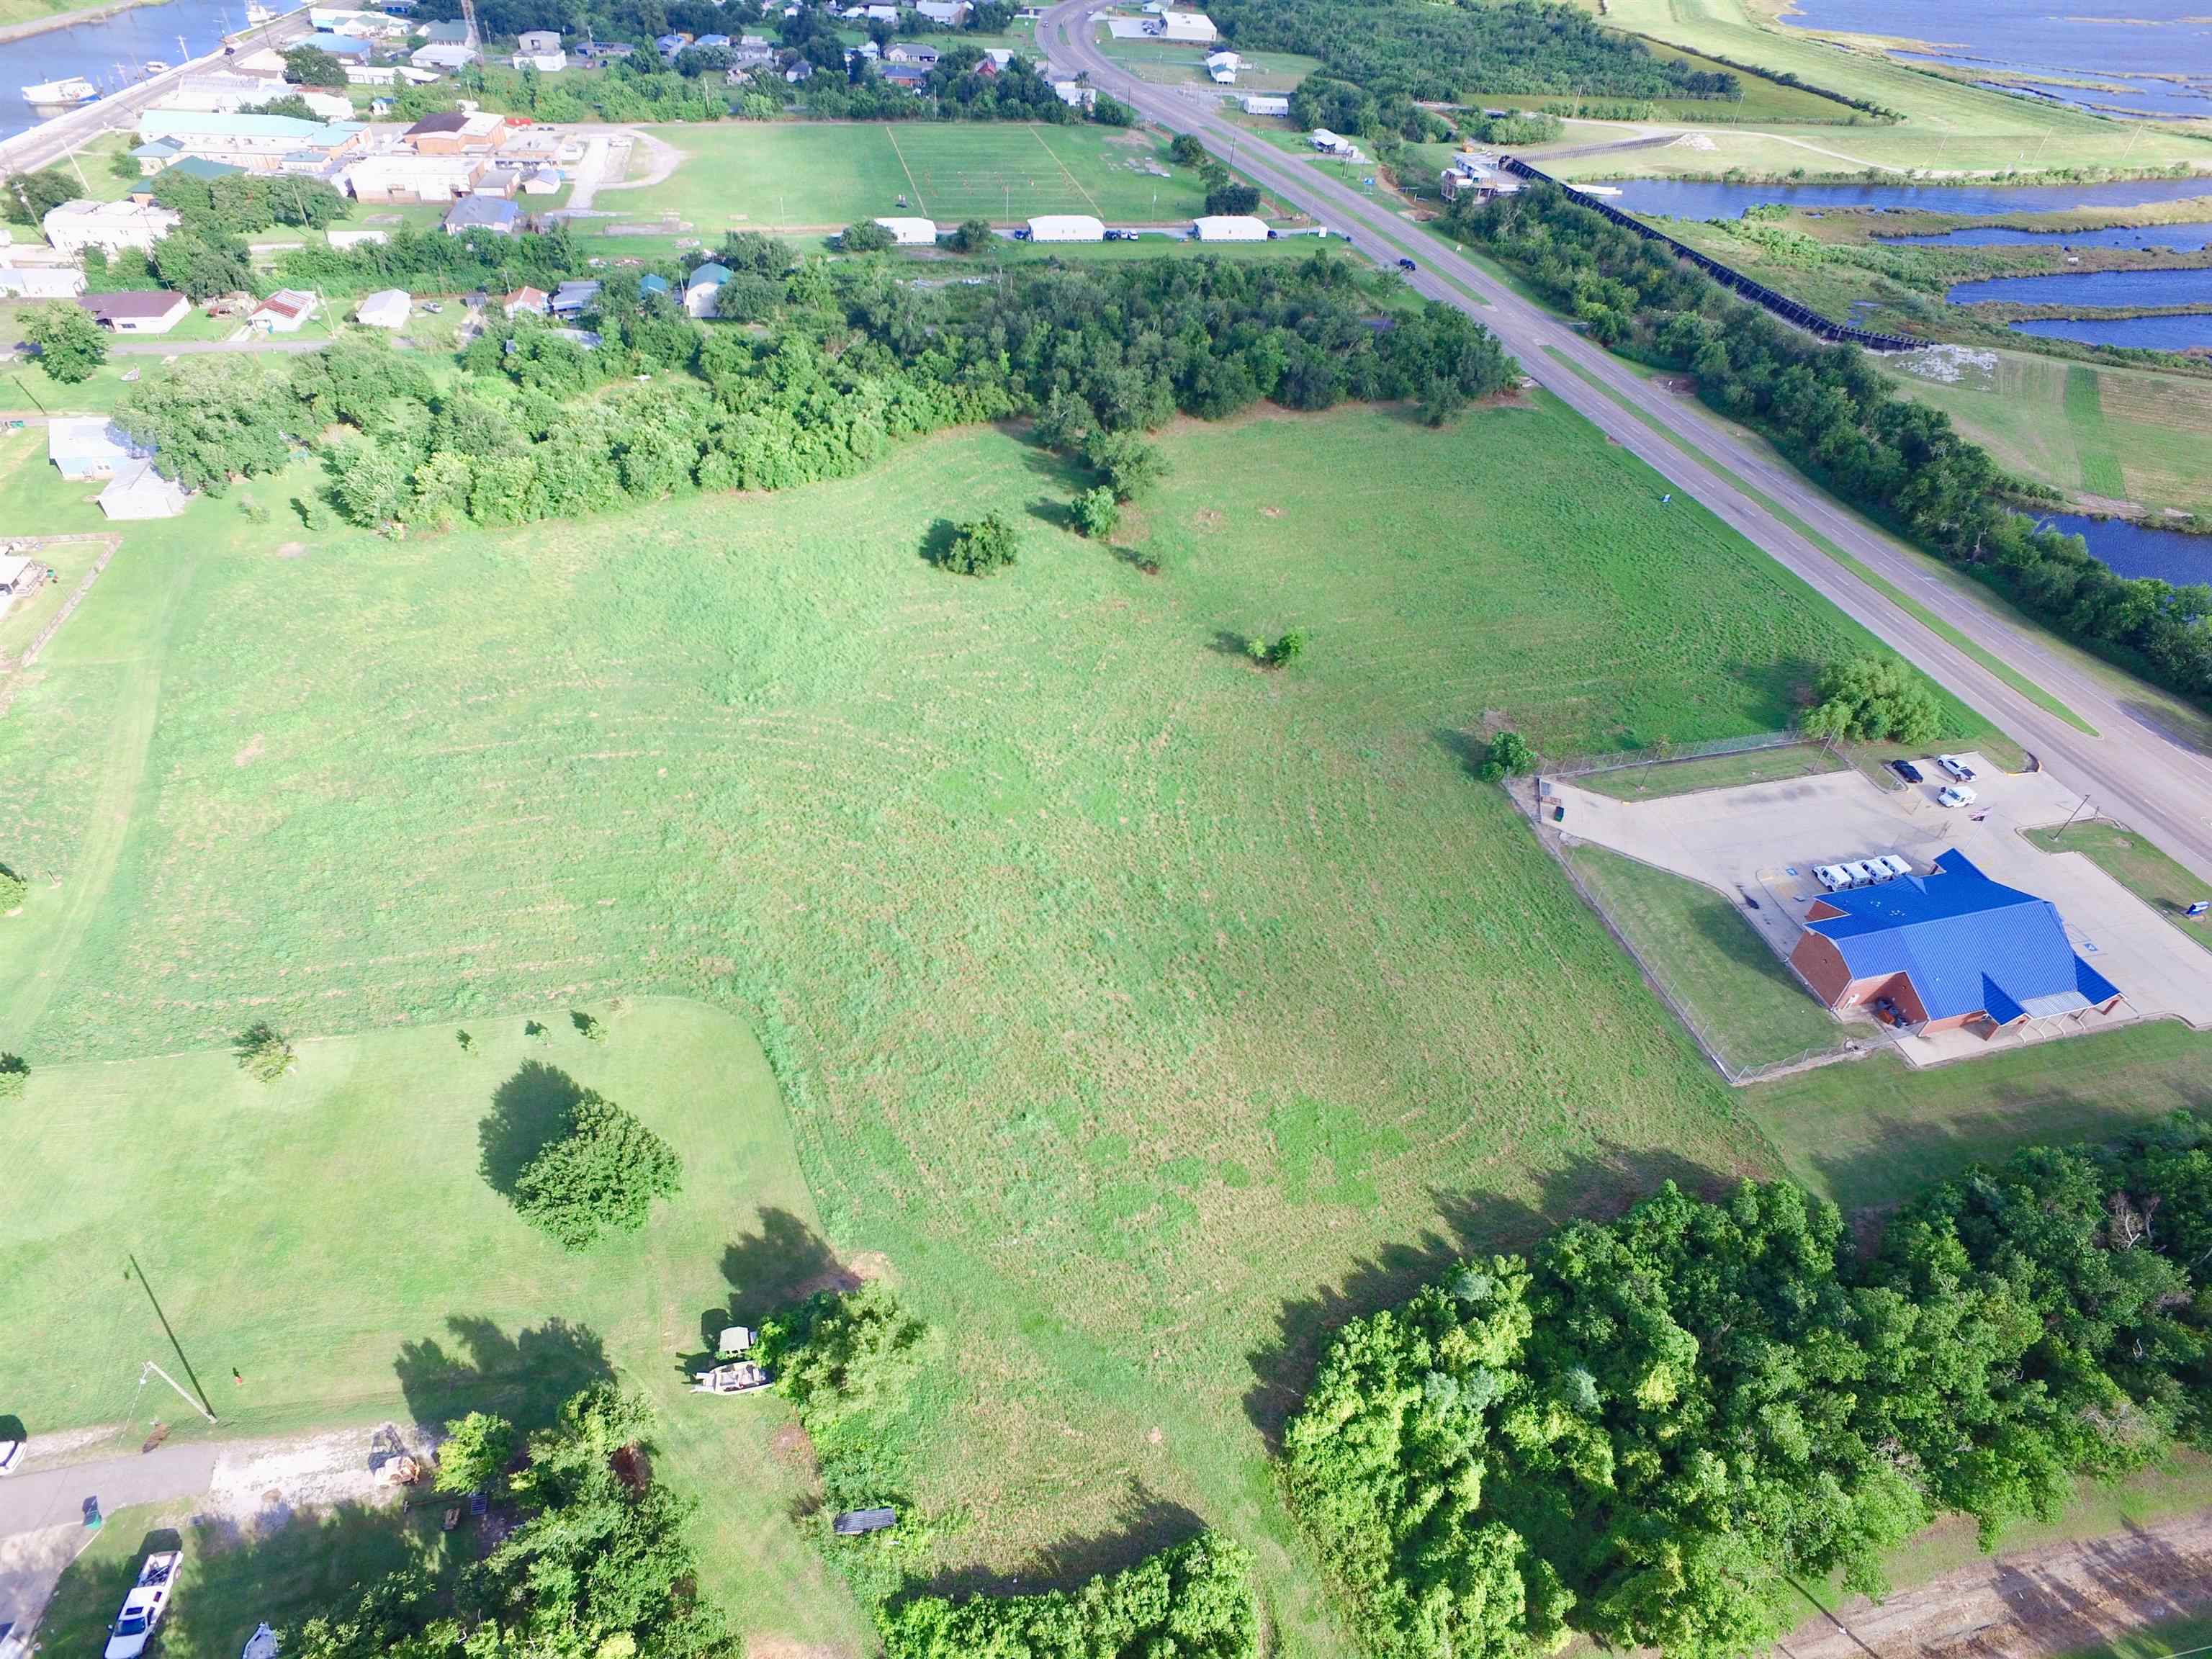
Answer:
(1143, 1011)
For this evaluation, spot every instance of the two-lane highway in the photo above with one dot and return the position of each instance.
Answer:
(2131, 770)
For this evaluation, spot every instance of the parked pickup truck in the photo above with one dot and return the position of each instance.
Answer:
(143, 1607)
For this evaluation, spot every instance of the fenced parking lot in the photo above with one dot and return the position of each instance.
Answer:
(1757, 847)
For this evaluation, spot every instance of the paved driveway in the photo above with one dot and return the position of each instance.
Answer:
(1763, 840)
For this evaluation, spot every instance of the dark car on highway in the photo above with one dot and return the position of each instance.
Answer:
(1405, 264)
(1906, 770)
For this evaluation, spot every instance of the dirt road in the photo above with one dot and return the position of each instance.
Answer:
(2133, 769)
(2037, 1603)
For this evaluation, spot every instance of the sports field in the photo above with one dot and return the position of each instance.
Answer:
(2121, 434)
(751, 176)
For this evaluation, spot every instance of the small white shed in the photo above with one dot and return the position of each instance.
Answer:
(386, 308)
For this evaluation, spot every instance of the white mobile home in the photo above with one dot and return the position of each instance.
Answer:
(1067, 227)
(911, 233)
(1229, 228)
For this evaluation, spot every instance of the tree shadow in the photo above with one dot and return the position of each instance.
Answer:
(523, 1378)
(1471, 751)
(785, 1261)
(1145, 1523)
(937, 542)
(1598, 1185)
(528, 1110)
(1227, 642)
(1059, 514)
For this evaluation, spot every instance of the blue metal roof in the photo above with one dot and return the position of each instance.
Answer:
(653, 283)
(1968, 944)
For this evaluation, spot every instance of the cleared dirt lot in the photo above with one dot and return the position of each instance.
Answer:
(1762, 842)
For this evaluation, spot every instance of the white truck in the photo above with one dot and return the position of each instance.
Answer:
(143, 1607)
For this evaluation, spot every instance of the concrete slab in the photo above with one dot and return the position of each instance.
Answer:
(1762, 841)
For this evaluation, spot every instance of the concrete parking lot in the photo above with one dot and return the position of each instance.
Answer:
(1762, 842)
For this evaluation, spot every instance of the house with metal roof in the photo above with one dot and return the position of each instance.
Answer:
(492, 213)
(138, 491)
(1948, 949)
(702, 288)
(84, 447)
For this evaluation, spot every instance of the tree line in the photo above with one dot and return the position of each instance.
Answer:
(1387, 55)
(543, 424)
(1840, 418)
(1642, 1431)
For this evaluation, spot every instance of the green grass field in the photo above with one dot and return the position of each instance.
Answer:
(1175, 64)
(404, 1282)
(1949, 124)
(2168, 1637)
(747, 176)
(2132, 435)
(1748, 1006)
(1143, 1011)
(1683, 777)
(2137, 865)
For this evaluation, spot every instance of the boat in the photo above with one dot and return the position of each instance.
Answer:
(66, 94)
(257, 14)
(156, 66)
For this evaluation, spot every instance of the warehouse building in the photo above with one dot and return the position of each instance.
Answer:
(1067, 227)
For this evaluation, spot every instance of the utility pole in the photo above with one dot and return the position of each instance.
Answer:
(150, 1366)
(2071, 816)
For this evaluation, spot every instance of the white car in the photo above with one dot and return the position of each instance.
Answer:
(1955, 794)
(1956, 767)
(143, 1607)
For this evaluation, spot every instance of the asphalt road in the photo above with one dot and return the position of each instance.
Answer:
(2135, 770)
(71, 130)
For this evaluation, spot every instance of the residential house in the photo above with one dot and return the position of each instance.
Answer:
(669, 44)
(537, 40)
(712, 40)
(702, 288)
(444, 55)
(1948, 949)
(20, 575)
(801, 71)
(283, 312)
(653, 283)
(341, 239)
(109, 226)
(525, 299)
(542, 181)
(138, 491)
(138, 310)
(545, 63)
(83, 447)
(259, 143)
(1474, 174)
(370, 25)
(41, 281)
(1330, 143)
(905, 51)
(490, 213)
(1222, 67)
(911, 77)
(951, 14)
(573, 299)
(388, 307)
(346, 48)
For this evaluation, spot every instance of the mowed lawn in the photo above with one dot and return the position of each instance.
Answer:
(747, 175)
(1141, 1012)
(2127, 434)
(332, 1239)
